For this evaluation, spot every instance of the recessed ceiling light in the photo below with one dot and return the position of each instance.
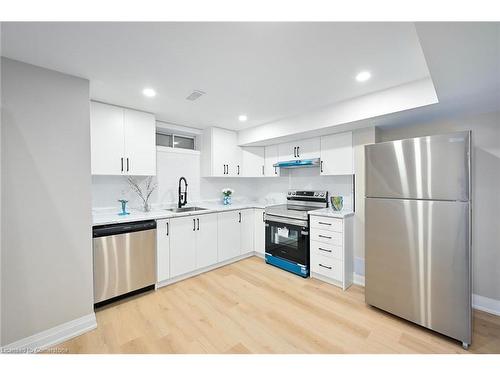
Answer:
(150, 93)
(242, 118)
(363, 76)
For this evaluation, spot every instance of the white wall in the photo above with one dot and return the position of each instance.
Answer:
(361, 138)
(46, 200)
(486, 190)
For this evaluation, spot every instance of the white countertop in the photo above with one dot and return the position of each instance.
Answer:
(110, 216)
(328, 212)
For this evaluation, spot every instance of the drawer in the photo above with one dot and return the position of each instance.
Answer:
(327, 250)
(326, 236)
(329, 267)
(327, 223)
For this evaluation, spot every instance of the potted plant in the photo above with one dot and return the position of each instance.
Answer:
(226, 194)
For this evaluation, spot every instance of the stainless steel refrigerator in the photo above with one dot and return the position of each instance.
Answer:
(418, 231)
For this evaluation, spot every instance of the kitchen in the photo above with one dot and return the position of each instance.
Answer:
(216, 208)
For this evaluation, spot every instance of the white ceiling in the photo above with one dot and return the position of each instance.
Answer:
(265, 70)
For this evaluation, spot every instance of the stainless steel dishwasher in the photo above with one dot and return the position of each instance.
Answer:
(124, 258)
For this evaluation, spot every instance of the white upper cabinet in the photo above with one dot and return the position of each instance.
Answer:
(122, 141)
(271, 158)
(107, 139)
(252, 161)
(221, 156)
(140, 143)
(337, 154)
(301, 149)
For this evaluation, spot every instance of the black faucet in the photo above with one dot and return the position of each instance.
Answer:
(183, 195)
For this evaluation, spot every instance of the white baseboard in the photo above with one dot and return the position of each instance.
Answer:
(486, 304)
(52, 336)
(260, 255)
(358, 279)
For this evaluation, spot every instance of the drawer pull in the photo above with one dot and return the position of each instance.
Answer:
(320, 235)
(321, 265)
(328, 251)
(320, 222)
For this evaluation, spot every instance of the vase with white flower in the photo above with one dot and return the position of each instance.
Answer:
(226, 195)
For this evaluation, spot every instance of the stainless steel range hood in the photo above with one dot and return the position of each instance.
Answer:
(302, 163)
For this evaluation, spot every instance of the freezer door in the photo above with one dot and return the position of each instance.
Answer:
(434, 167)
(418, 262)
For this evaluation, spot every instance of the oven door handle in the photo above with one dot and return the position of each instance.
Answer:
(285, 220)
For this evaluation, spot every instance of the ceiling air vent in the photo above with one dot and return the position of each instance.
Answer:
(195, 95)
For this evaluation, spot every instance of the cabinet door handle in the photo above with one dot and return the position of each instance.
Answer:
(295, 152)
(321, 166)
(328, 251)
(127, 165)
(321, 222)
(298, 148)
(238, 170)
(198, 221)
(239, 214)
(324, 236)
(321, 265)
(194, 225)
(264, 217)
(262, 170)
(122, 164)
(275, 171)
(167, 228)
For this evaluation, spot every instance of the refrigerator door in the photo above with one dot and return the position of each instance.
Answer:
(417, 262)
(434, 167)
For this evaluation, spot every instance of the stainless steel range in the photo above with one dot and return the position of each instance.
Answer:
(287, 230)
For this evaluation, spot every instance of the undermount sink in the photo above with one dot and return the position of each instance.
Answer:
(186, 209)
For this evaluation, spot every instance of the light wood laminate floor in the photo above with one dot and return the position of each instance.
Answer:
(251, 307)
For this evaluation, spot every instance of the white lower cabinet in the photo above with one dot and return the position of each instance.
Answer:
(331, 250)
(229, 235)
(235, 233)
(247, 222)
(206, 240)
(259, 242)
(182, 245)
(190, 243)
(162, 249)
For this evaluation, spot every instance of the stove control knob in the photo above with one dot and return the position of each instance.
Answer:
(322, 195)
(315, 194)
(289, 193)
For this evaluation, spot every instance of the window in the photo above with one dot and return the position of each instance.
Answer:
(183, 142)
(175, 141)
(164, 140)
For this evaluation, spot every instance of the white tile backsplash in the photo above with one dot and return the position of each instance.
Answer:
(106, 190)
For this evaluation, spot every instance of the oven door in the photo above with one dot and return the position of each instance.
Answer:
(288, 239)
